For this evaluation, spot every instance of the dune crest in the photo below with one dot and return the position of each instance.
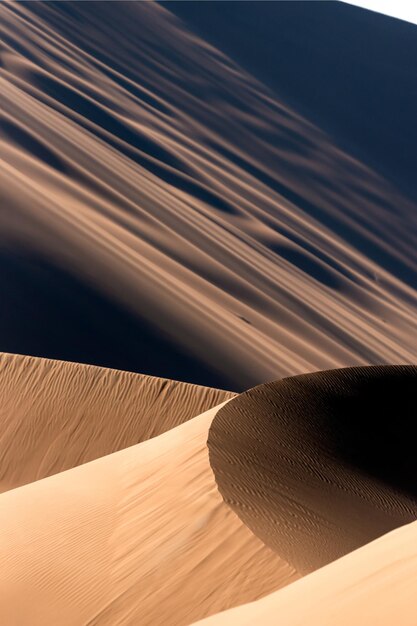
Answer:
(320, 464)
(140, 536)
(56, 415)
(185, 197)
(371, 586)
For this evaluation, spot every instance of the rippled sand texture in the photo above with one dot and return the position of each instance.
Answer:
(373, 585)
(141, 536)
(57, 415)
(320, 464)
(147, 164)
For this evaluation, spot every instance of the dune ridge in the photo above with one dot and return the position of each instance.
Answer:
(227, 508)
(139, 536)
(165, 208)
(186, 191)
(372, 585)
(56, 415)
(320, 464)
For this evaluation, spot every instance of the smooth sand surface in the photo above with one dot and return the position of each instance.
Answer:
(56, 415)
(141, 536)
(373, 586)
(320, 464)
(141, 162)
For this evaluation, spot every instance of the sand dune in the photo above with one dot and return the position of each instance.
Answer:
(57, 415)
(371, 586)
(320, 464)
(224, 509)
(165, 189)
(312, 55)
(141, 536)
(173, 203)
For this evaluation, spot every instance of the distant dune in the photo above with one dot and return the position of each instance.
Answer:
(57, 415)
(312, 55)
(167, 210)
(373, 585)
(141, 536)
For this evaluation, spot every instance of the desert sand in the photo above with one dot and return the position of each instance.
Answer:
(222, 510)
(320, 464)
(139, 536)
(371, 586)
(171, 183)
(56, 415)
(232, 207)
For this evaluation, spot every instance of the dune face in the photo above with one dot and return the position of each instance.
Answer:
(313, 56)
(141, 536)
(373, 585)
(145, 175)
(221, 193)
(57, 415)
(320, 464)
(50, 312)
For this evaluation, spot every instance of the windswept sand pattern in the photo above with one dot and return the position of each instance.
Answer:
(320, 464)
(141, 536)
(57, 415)
(373, 585)
(181, 196)
(183, 189)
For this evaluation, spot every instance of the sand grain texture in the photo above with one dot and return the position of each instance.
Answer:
(373, 586)
(164, 208)
(140, 536)
(320, 464)
(56, 415)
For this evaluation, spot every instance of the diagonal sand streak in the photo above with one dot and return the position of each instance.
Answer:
(183, 188)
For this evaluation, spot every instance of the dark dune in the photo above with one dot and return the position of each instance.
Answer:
(349, 70)
(49, 312)
(320, 464)
(165, 208)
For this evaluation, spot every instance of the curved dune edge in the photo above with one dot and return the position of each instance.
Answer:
(55, 415)
(372, 586)
(320, 464)
(140, 536)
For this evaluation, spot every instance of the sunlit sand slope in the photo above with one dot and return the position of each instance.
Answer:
(320, 464)
(56, 415)
(138, 537)
(373, 586)
(138, 161)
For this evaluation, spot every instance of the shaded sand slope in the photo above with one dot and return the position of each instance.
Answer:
(312, 54)
(138, 537)
(373, 586)
(320, 464)
(140, 164)
(55, 415)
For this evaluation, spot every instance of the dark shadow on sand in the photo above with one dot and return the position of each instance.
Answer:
(45, 311)
(320, 464)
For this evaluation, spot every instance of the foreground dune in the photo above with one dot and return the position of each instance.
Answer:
(373, 586)
(142, 168)
(56, 415)
(141, 536)
(320, 464)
